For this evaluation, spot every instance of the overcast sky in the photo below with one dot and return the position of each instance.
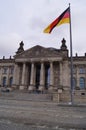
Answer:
(25, 20)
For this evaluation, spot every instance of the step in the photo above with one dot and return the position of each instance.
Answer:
(26, 96)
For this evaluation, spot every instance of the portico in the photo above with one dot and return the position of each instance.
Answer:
(38, 69)
(35, 75)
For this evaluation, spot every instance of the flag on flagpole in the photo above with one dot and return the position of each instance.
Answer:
(62, 19)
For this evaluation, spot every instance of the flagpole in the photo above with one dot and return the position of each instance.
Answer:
(71, 60)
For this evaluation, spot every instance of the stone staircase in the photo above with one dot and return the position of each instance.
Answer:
(23, 95)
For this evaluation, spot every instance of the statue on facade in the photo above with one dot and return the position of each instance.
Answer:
(20, 49)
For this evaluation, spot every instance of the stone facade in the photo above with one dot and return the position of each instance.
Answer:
(43, 69)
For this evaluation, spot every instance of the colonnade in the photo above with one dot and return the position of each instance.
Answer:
(31, 85)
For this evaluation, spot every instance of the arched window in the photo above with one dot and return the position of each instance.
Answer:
(74, 83)
(82, 82)
(4, 81)
(11, 81)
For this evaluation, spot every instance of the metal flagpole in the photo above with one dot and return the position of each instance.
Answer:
(71, 59)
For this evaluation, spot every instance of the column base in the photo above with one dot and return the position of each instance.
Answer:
(50, 89)
(14, 86)
(31, 88)
(41, 88)
(21, 87)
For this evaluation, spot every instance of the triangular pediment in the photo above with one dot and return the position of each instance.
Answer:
(38, 51)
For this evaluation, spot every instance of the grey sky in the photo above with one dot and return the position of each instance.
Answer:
(26, 19)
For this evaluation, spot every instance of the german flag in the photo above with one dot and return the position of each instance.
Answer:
(62, 19)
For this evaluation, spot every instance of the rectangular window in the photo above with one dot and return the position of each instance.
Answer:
(5, 70)
(82, 83)
(74, 70)
(82, 70)
(11, 70)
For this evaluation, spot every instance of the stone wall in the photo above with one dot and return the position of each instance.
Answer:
(79, 97)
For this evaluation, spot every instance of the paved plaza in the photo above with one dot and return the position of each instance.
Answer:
(21, 114)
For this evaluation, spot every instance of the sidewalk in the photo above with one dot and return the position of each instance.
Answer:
(68, 104)
(43, 113)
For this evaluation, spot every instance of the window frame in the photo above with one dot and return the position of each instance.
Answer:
(82, 82)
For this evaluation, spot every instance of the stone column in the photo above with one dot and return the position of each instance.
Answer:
(18, 76)
(61, 77)
(15, 76)
(1, 77)
(32, 78)
(27, 75)
(77, 78)
(22, 86)
(51, 76)
(8, 72)
(42, 80)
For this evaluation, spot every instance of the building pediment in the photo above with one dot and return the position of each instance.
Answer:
(38, 52)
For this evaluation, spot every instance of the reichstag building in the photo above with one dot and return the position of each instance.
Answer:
(43, 69)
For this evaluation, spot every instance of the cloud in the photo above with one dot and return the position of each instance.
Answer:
(9, 44)
(25, 20)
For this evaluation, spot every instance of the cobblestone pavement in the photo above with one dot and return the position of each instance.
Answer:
(40, 115)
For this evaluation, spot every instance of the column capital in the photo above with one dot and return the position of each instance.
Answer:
(32, 61)
(41, 62)
(24, 62)
(51, 61)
